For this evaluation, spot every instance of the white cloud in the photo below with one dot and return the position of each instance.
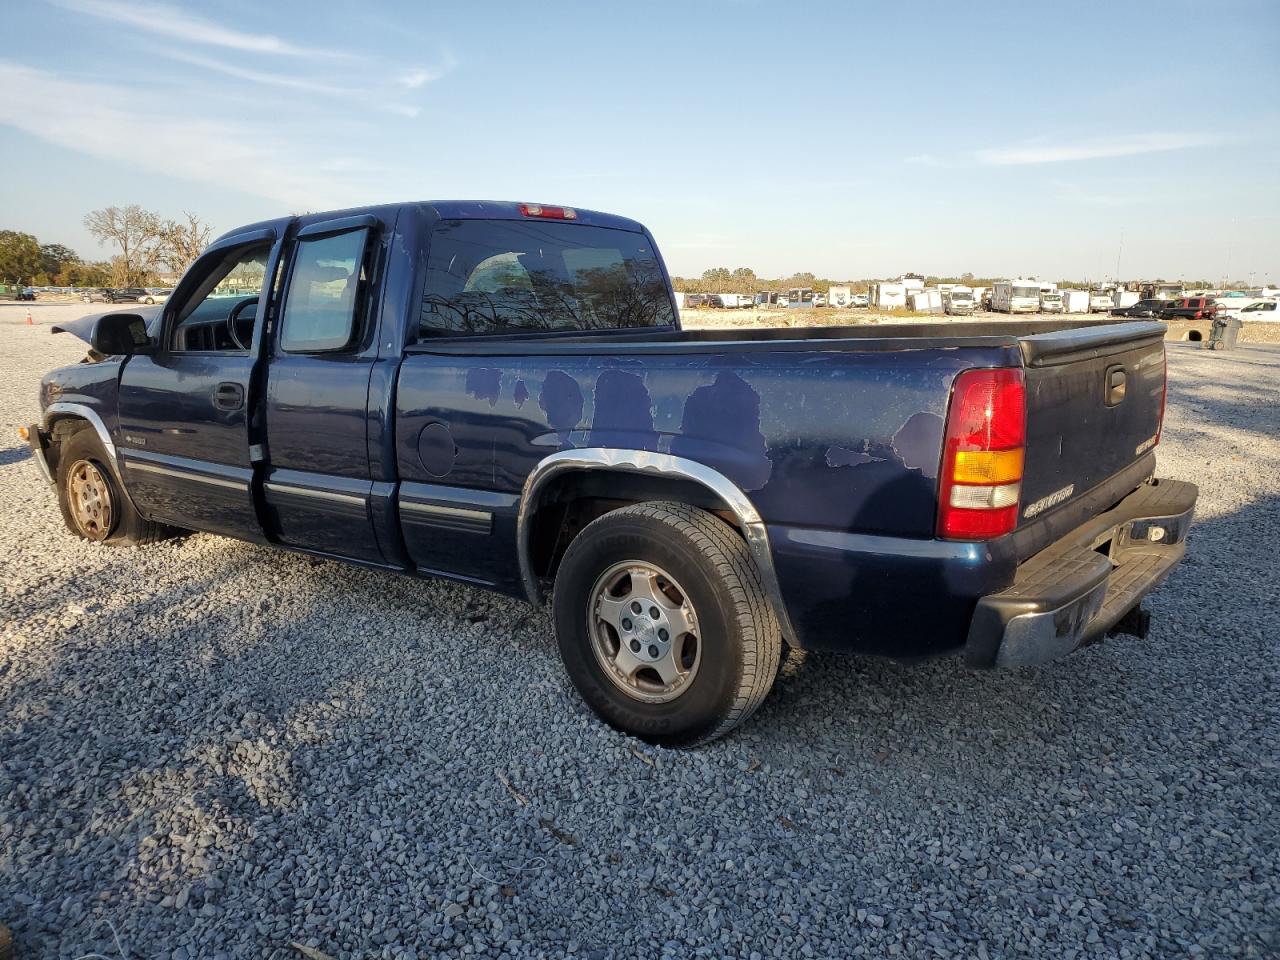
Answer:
(924, 160)
(413, 79)
(416, 77)
(1041, 151)
(171, 21)
(118, 124)
(257, 76)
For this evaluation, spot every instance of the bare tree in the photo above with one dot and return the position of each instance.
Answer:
(184, 242)
(139, 236)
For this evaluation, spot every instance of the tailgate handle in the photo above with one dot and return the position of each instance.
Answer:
(1116, 380)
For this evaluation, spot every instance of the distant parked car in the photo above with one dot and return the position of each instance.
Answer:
(98, 295)
(1142, 310)
(859, 300)
(26, 293)
(155, 295)
(1260, 310)
(1190, 308)
(819, 300)
(129, 295)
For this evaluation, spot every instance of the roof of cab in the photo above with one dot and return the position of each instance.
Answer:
(445, 210)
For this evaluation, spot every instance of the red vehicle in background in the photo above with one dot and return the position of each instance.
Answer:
(1190, 308)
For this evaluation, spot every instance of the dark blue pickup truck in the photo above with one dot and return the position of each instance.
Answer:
(502, 394)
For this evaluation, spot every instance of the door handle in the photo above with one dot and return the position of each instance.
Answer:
(228, 396)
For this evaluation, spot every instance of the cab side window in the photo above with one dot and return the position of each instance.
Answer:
(323, 308)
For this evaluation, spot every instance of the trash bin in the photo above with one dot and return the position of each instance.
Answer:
(1225, 332)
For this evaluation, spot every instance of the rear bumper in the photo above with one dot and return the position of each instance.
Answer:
(1078, 589)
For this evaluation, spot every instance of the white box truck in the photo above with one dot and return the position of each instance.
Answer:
(888, 296)
(841, 296)
(1075, 301)
(958, 302)
(1016, 296)
(1051, 301)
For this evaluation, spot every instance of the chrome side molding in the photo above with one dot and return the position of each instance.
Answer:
(660, 464)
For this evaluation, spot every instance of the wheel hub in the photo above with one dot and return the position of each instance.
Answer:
(644, 631)
(89, 496)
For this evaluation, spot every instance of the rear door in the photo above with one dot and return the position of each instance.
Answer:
(1095, 397)
(318, 479)
(184, 410)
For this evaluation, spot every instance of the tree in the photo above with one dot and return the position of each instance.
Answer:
(718, 278)
(744, 279)
(85, 275)
(184, 242)
(54, 259)
(19, 256)
(138, 234)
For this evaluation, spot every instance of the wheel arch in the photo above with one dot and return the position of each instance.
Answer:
(636, 476)
(59, 417)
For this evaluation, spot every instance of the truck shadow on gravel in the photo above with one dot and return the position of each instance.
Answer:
(14, 455)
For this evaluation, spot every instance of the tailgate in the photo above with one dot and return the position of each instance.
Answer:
(1094, 401)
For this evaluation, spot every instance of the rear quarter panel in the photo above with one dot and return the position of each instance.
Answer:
(827, 440)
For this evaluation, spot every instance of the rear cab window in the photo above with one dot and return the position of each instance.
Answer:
(486, 277)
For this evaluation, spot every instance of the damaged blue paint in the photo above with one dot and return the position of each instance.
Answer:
(622, 414)
(561, 400)
(838, 456)
(721, 425)
(485, 383)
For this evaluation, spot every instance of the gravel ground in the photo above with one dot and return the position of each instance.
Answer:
(220, 749)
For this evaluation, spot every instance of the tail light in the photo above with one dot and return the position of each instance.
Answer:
(548, 213)
(982, 455)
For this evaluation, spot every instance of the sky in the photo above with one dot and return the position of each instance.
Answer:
(852, 140)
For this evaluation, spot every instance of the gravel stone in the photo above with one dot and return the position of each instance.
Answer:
(214, 749)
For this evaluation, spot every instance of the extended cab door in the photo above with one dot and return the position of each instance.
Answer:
(322, 351)
(184, 440)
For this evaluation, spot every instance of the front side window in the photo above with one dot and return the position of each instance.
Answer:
(321, 309)
(219, 315)
(524, 276)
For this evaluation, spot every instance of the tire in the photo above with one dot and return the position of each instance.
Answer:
(730, 656)
(84, 471)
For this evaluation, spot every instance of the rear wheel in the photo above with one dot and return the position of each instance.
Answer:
(663, 624)
(93, 505)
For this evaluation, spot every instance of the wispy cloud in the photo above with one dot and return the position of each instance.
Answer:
(1042, 151)
(111, 122)
(256, 76)
(179, 24)
(416, 77)
(924, 160)
(354, 94)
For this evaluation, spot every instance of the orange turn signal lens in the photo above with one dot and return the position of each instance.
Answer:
(988, 466)
(24, 433)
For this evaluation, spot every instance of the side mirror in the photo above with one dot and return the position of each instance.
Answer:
(120, 334)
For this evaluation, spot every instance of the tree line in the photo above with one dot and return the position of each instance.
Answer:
(144, 245)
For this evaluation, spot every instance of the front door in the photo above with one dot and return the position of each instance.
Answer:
(184, 409)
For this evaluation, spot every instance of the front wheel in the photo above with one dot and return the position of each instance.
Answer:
(663, 624)
(93, 505)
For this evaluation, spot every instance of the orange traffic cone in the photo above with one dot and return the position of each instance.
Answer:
(28, 316)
